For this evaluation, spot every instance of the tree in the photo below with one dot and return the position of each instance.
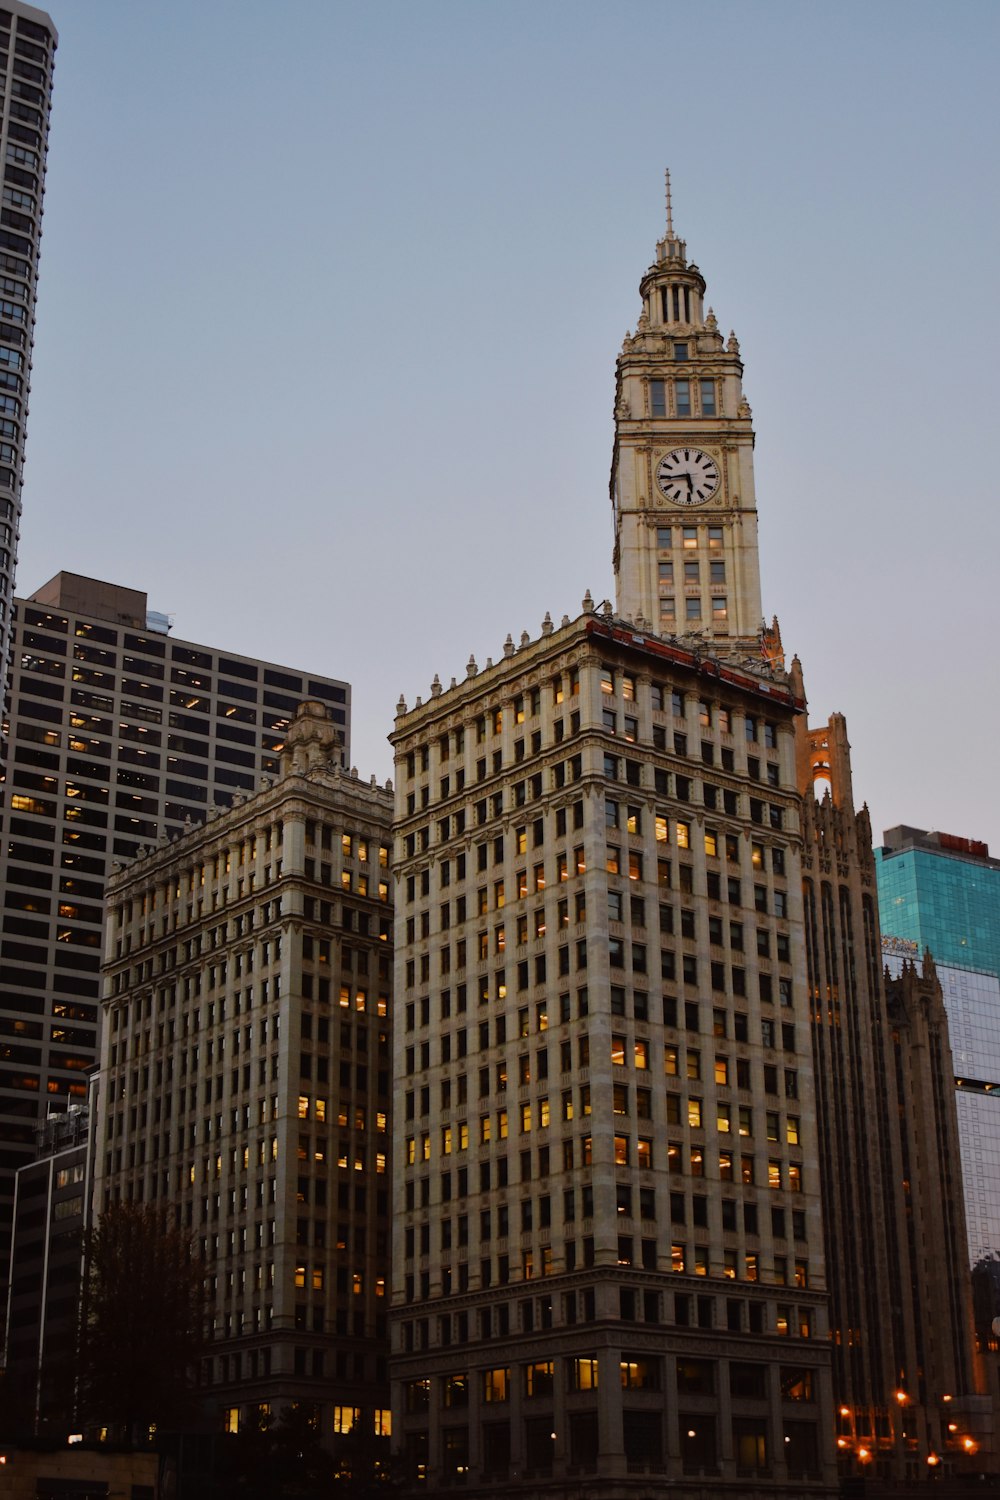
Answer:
(286, 1460)
(144, 1320)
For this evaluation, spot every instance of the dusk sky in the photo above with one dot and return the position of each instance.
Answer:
(331, 296)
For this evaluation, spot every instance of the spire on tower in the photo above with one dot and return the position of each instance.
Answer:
(670, 247)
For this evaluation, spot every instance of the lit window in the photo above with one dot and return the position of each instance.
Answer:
(539, 1378)
(346, 1418)
(496, 1385)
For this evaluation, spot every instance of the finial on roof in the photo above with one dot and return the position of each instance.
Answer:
(670, 208)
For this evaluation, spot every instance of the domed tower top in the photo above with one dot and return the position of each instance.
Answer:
(672, 290)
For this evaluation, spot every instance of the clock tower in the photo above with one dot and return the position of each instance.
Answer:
(682, 471)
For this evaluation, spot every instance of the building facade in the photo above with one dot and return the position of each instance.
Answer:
(745, 1274)
(28, 42)
(51, 1213)
(904, 1379)
(608, 1266)
(245, 1079)
(118, 734)
(940, 893)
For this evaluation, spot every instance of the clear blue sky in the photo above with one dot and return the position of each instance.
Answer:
(331, 296)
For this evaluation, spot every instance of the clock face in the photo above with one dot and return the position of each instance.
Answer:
(687, 476)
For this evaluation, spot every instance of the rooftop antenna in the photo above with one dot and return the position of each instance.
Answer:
(670, 210)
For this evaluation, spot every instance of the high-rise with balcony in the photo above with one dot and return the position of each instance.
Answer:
(27, 54)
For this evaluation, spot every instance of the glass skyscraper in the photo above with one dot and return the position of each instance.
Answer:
(943, 893)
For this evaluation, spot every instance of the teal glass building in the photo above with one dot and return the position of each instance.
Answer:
(942, 893)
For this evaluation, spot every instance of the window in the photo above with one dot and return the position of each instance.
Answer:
(657, 398)
(682, 395)
(692, 609)
(708, 398)
(639, 1374)
(496, 1385)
